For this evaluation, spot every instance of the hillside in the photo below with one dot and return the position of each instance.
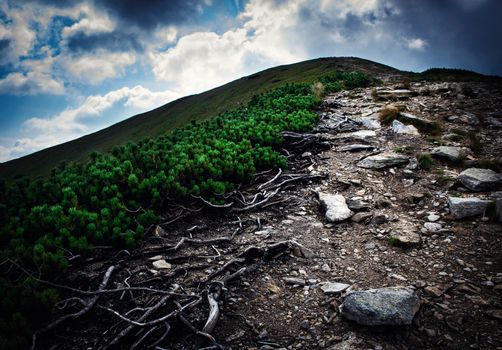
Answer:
(351, 213)
(196, 107)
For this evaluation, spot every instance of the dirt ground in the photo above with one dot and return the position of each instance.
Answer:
(454, 270)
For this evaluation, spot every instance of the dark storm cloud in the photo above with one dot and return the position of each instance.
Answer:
(116, 41)
(462, 33)
(149, 14)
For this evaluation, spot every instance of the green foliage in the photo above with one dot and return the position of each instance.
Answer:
(114, 197)
(425, 161)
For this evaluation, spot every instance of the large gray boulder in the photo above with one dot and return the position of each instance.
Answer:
(477, 179)
(451, 153)
(384, 160)
(400, 128)
(335, 206)
(465, 207)
(393, 306)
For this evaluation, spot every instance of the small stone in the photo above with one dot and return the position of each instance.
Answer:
(384, 306)
(465, 207)
(294, 281)
(384, 160)
(405, 237)
(361, 216)
(335, 206)
(400, 128)
(334, 287)
(433, 217)
(453, 154)
(161, 264)
(325, 268)
(433, 227)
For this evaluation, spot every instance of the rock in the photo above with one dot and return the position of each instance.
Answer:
(357, 204)
(397, 93)
(357, 135)
(432, 226)
(465, 207)
(498, 209)
(161, 264)
(294, 280)
(453, 154)
(355, 148)
(433, 217)
(349, 342)
(383, 160)
(371, 122)
(333, 287)
(385, 306)
(335, 206)
(477, 179)
(400, 128)
(405, 237)
(359, 217)
(469, 118)
(413, 119)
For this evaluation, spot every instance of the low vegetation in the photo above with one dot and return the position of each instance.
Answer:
(116, 197)
(388, 114)
(425, 161)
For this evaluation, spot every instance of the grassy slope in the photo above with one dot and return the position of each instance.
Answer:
(179, 112)
(195, 107)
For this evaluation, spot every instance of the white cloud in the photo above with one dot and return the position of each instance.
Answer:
(73, 119)
(91, 22)
(416, 44)
(35, 77)
(94, 68)
(71, 123)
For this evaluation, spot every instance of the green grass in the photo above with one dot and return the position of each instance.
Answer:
(182, 111)
(425, 161)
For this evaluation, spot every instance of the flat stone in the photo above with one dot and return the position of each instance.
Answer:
(295, 281)
(335, 206)
(450, 153)
(161, 264)
(477, 179)
(357, 204)
(400, 128)
(433, 217)
(359, 217)
(413, 119)
(383, 160)
(465, 207)
(406, 237)
(357, 135)
(355, 148)
(371, 122)
(432, 226)
(333, 287)
(385, 306)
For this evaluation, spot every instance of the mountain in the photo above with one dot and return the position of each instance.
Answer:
(176, 113)
(201, 106)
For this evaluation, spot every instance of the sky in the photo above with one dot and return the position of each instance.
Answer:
(72, 67)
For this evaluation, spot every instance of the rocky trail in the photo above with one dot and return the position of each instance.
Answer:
(376, 237)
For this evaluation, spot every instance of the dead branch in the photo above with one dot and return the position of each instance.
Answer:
(271, 180)
(227, 205)
(147, 314)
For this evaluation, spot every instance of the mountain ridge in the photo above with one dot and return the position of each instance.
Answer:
(198, 107)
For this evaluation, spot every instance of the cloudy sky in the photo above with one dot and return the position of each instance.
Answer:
(69, 67)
